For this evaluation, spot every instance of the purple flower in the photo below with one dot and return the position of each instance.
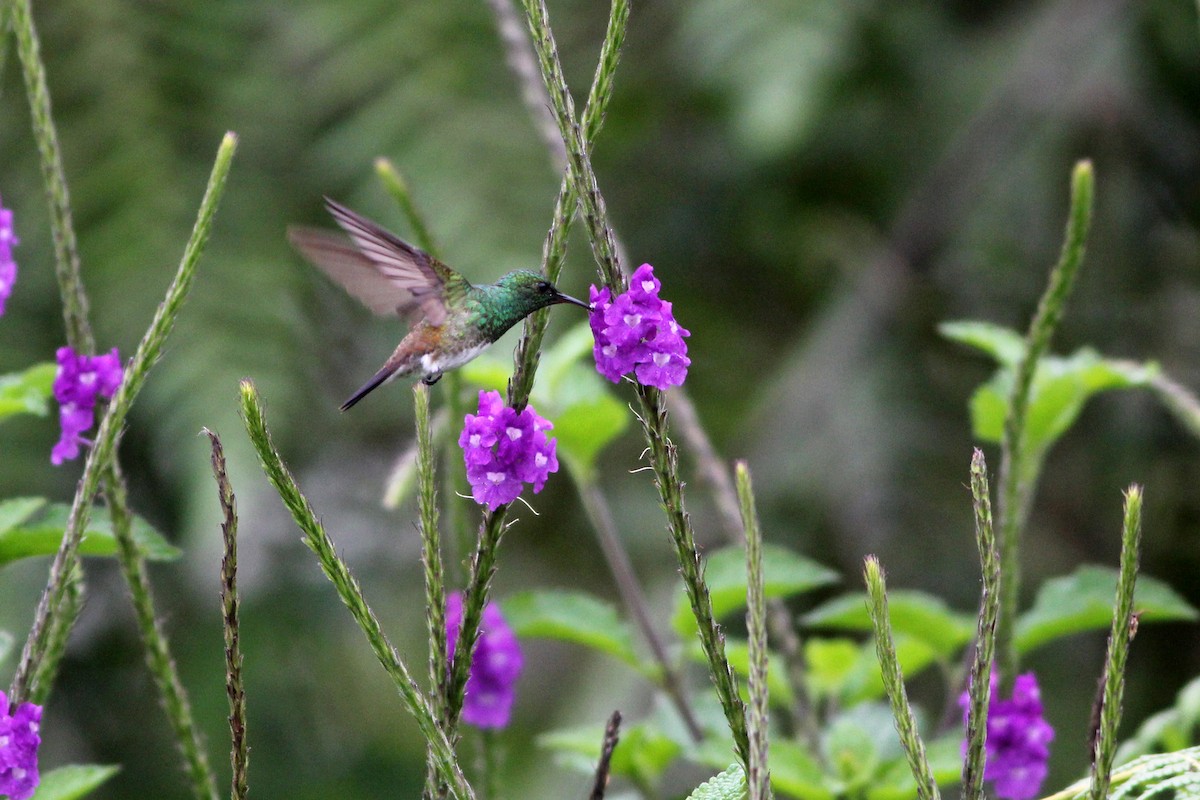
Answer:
(1018, 739)
(77, 384)
(504, 450)
(8, 266)
(19, 742)
(495, 667)
(638, 333)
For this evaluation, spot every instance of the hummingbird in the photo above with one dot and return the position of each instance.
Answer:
(451, 319)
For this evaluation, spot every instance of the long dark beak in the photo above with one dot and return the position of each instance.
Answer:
(566, 298)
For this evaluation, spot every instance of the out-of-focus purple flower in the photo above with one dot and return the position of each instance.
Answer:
(504, 450)
(495, 667)
(8, 265)
(1018, 739)
(80, 380)
(638, 333)
(19, 742)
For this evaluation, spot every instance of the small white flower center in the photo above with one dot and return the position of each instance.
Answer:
(18, 773)
(632, 320)
(647, 286)
(609, 350)
(540, 460)
(497, 477)
(661, 359)
(475, 439)
(4, 740)
(87, 379)
(514, 433)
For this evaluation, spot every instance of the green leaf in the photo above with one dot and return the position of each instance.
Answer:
(796, 772)
(1083, 601)
(865, 681)
(918, 614)
(895, 781)
(74, 781)
(729, 785)
(571, 617)
(1061, 385)
(738, 653)
(16, 510)
(785, 573)
(831, 663)
(42, 534)
(644, 753)
(1003, 344)
(27, 392)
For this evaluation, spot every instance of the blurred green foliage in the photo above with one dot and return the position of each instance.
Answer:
(817, 185)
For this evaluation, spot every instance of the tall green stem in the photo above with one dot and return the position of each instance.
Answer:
(1018, 467)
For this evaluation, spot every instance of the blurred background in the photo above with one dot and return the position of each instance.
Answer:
(818, 185)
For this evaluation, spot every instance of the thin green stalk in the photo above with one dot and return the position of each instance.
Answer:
(1119, 638)
(893, 681)
(60, 632)
(239, 755)
(397, 187)
(1017, 477)
(600, 515)
(66, 248)
(758, 773)
(431, 558)
(652, 409)
(985, 633)
(317, 540)
(99, 457)
(158, 652)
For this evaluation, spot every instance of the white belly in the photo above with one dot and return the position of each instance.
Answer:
(431, 363)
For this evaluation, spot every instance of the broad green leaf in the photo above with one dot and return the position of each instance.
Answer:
(74, 781)
(831, 663)
(571, 617)
(918, 614)
(16, 510)
(865, 681)
(795, 772)
(42, 534)
(6, 643)
(1083, 601)
(27, 392)
(1003, 344)
(729, 785)
(850, 751)
(1173, 729)
(785, 573)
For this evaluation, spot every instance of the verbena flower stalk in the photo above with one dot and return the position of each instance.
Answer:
(652, 411)
(979, 682)
(1017, 476)
(1123, 627)
(758, 774)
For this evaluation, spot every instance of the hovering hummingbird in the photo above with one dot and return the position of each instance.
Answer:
(452, 320)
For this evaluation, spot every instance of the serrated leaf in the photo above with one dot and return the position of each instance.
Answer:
(796, 772)
(571, 617)
(72, 782)
(785, 573)
(27, 392)
(42, 534)
(918, 614)
(1083, 601)
(729, 785)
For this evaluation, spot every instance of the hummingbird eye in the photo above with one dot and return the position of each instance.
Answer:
(544, 287)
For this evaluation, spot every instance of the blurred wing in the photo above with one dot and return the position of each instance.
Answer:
(387, 274)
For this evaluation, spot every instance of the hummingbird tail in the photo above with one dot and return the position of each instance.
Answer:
(377, 380)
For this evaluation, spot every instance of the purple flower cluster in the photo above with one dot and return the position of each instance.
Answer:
(19, 742)
(638, 332)
(8, 265)
(1018, 739)
(504, 450)
(77, 384)
(495, 667)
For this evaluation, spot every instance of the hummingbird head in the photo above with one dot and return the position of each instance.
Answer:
(530, 291)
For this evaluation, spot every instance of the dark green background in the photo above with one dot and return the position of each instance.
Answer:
(817, 185)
